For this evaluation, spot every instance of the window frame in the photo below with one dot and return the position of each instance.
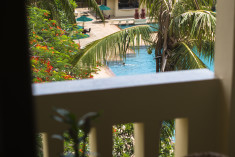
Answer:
(224, 76)
(127, 8)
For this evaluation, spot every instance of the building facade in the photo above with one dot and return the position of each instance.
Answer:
(120, 8)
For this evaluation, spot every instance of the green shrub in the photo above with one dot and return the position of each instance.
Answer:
(52, 49)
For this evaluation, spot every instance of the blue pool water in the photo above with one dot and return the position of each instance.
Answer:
(153, 26)
(141, 63)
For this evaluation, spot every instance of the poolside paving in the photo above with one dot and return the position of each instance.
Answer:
(98, 29)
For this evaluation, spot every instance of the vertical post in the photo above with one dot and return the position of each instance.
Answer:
(224, 69)
(55, 147)
(147, 137)
(101, 140)
(93, 142)
(181, 140)
(139, 139)
(45, 145)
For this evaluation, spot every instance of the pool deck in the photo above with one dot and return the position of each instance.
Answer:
(98, 28)
(104, 72)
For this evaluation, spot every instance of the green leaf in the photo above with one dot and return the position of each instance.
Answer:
(113, 44)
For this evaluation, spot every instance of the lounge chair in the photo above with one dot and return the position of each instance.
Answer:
(107, 17)
(86, 31)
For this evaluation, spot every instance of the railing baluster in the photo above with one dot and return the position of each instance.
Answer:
(56, 147)
(101, 142)
(181, 140)
(45, 145)
(147, 137)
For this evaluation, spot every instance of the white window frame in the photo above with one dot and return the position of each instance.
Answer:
(203, 99)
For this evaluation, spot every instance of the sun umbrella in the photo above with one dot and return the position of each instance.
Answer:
(104, 7)
(84, 19)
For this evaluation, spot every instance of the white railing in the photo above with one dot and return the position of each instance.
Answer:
(144, 100)
(131, 21)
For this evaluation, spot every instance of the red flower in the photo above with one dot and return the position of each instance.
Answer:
(67, 77)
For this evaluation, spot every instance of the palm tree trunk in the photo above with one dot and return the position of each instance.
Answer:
(165, 41)
(159, 41)
(196, 4)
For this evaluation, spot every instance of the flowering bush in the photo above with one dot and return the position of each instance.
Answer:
(123, 136)
(52, 49)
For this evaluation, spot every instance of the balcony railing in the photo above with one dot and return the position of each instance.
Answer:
(191, 97)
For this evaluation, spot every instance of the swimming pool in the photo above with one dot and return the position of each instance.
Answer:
(153, 26)
(141, 63)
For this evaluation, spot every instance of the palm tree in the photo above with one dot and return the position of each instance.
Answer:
(186, 31)
(54, 6)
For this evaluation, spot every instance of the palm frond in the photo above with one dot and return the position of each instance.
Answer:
(93, 4)
(185, 58)
(55, 6)
(198, 24)
(115, 44)
(68, 10)
(154, 6)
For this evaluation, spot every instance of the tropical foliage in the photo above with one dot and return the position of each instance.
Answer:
(52, 49)
(115, 44)
(77, 133)
(123, 137)
(63, 10)
(186, 31)
(57, 8)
